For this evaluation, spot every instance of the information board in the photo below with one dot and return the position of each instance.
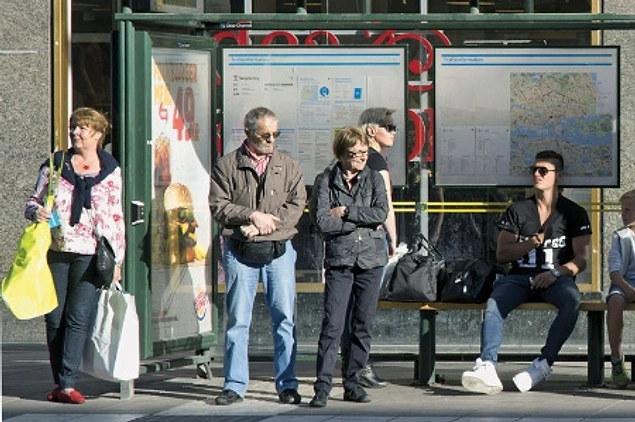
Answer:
(314, 91)
(496, 107)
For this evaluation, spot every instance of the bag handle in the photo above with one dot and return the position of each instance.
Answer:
(422, 243)
(53, 181)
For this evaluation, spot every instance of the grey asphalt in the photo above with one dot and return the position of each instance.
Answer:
(177, 395)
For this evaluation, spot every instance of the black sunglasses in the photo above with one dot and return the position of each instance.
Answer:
(267, 136)
(541, 170)
(389, 128)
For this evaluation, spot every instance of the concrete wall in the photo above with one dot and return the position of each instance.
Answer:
(25, 128)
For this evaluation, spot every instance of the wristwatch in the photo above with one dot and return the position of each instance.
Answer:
(556, 273)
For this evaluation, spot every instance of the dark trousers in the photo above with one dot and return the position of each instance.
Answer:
(68, 325)
(358, 289)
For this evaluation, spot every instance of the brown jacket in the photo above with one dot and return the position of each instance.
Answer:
(234, 194)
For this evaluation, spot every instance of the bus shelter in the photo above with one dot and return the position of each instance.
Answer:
(184, 81)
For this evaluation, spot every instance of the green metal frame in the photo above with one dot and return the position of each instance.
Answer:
(133, 125)
(411, 21)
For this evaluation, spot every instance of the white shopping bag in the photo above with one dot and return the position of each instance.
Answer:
(112, 350)
(392, 263)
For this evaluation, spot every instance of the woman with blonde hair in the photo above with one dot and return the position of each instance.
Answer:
(87, 187)
(349, 206)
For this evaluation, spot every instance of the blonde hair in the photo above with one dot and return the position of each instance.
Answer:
(346, 139)
(87, 116)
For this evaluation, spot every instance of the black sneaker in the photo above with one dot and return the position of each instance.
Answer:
(356, 394)
(320, 399)
(290, 396)
(227, 397)
(369, 379)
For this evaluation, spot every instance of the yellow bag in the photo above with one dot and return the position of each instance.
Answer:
(28, 289)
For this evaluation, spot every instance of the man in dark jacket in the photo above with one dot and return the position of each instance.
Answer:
(257, 196)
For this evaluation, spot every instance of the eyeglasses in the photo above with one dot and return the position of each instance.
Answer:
(357, 154)
(268, 136)
(389, 128)
(541, 170)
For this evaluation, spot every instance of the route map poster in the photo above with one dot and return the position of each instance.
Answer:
(315, 91)
(496, 107)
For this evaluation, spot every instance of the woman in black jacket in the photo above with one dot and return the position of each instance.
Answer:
(348, 206)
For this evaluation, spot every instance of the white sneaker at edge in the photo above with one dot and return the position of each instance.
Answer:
(535, 373)
(482, 378)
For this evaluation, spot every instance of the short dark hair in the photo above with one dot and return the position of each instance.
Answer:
(553, 156)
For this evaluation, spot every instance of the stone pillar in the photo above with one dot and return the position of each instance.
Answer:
(25, 138)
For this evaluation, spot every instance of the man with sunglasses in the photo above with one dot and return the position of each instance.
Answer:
(257, 196)
(546, 240)
(378, 125)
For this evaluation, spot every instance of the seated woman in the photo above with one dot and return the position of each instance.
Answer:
(349, 205)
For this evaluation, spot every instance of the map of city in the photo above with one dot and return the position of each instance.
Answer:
(560, 111)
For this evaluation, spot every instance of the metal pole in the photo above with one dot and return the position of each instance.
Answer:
(301, 7)
(474, 7)
(367, 6)
(529, 6)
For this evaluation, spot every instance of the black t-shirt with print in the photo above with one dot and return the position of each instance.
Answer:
(568, 220)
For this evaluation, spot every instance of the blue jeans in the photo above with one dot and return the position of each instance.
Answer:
(511, 291)
(241, 281)
(68, 325)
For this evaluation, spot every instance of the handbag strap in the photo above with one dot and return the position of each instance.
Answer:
(54, 177)
(422, 243)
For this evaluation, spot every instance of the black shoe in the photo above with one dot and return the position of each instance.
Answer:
(227, 397)
(320, 399)
(290, 396)
(369, 379)
(356, 394)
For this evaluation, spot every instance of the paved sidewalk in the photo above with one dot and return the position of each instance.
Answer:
(177, 395)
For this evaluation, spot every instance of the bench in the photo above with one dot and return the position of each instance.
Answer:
(426, 360)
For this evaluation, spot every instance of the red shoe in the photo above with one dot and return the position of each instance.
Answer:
(52, 396)
(74, 397)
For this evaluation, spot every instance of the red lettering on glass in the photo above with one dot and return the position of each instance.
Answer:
(430, 135)
(291, 38)
(241, 37)
(331, 39)
(420, 134)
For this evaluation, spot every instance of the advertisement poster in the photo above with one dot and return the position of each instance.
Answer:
(181, 222)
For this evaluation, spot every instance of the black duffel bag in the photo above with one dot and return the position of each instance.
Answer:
(468, 280)
(415, 277)
(259, 253)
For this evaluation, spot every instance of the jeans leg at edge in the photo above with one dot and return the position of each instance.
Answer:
(241, 283)
(280, 296)
(81, 301)
(509, 292)
(565, 296)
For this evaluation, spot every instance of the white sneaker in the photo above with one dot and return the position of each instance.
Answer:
(535, 373)
(482, 378)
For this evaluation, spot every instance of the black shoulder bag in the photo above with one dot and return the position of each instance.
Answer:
(415, 277)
